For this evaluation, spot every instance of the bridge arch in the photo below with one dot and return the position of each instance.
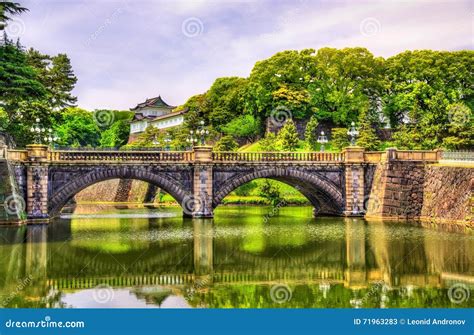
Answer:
(323, 194)
(59, 198)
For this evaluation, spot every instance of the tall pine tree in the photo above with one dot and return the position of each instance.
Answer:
(310, 134)
(288, 136)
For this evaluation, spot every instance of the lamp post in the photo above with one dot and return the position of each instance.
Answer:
(202, 132)
(191, 140)
(353, 133)
(198, 135)
(36, 130)
(51, 138)
(322, 139)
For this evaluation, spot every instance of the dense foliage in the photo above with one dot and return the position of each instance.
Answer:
(425, 96)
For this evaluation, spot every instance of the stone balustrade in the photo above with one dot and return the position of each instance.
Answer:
(232, 156)
(17, 155)
(371, 157)
(120, 156)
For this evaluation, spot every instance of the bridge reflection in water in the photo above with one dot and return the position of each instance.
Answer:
(225, 263)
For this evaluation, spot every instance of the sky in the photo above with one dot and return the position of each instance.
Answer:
(125, 51)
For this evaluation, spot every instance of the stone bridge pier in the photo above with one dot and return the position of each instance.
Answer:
(334, 183)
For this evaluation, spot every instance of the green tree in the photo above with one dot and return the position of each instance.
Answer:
(56, 75)
(62, 82)
(226, 143)
(281, 80)
(367, 138)
(7, 10)
(345, 80)
(197, 110)
(117, 133)
(416, 77)
(288, 136)
(270, 191)
(225, 100)
(460, 128)
(18, 80)
(245, 126)
(149, 138)
(78, 128)
(269, 142)
(310, 134)
(4, 120)
(339, 138)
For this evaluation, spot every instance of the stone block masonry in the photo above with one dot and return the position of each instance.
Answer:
(448, 195)
(429, 192)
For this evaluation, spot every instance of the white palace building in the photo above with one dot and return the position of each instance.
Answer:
(154, 112)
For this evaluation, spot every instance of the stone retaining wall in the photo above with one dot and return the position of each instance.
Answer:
(448, 194)
(414, 190)
(115, 190)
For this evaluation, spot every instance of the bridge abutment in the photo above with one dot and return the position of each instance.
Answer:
(354, 175)
(37, 182)
(202, 183)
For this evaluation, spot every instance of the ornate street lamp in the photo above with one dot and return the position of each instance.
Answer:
(36, 130)
(322, 139)
(353, 133)
(51, 138)
(192, 140)
(198, 135)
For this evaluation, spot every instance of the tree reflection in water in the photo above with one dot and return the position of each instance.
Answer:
(234, 260)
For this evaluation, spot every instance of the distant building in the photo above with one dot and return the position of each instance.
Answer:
(154, 112)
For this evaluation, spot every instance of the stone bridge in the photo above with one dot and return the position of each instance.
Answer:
(334, 183)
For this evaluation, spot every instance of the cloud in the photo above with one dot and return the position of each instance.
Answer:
(125, 51)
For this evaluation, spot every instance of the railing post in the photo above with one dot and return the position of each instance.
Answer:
(390, 154)
(200, 203)
(37, 181)
(354, 175)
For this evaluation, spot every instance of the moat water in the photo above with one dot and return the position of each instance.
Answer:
(243, 258)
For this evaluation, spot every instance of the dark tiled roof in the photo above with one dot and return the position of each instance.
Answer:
(153, 102)
(139, 116)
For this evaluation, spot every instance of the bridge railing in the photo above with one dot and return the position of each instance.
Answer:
(17, 155)
(121, 156)
(232, 156)
(373, 156)
(458, 156)
(419, 155)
